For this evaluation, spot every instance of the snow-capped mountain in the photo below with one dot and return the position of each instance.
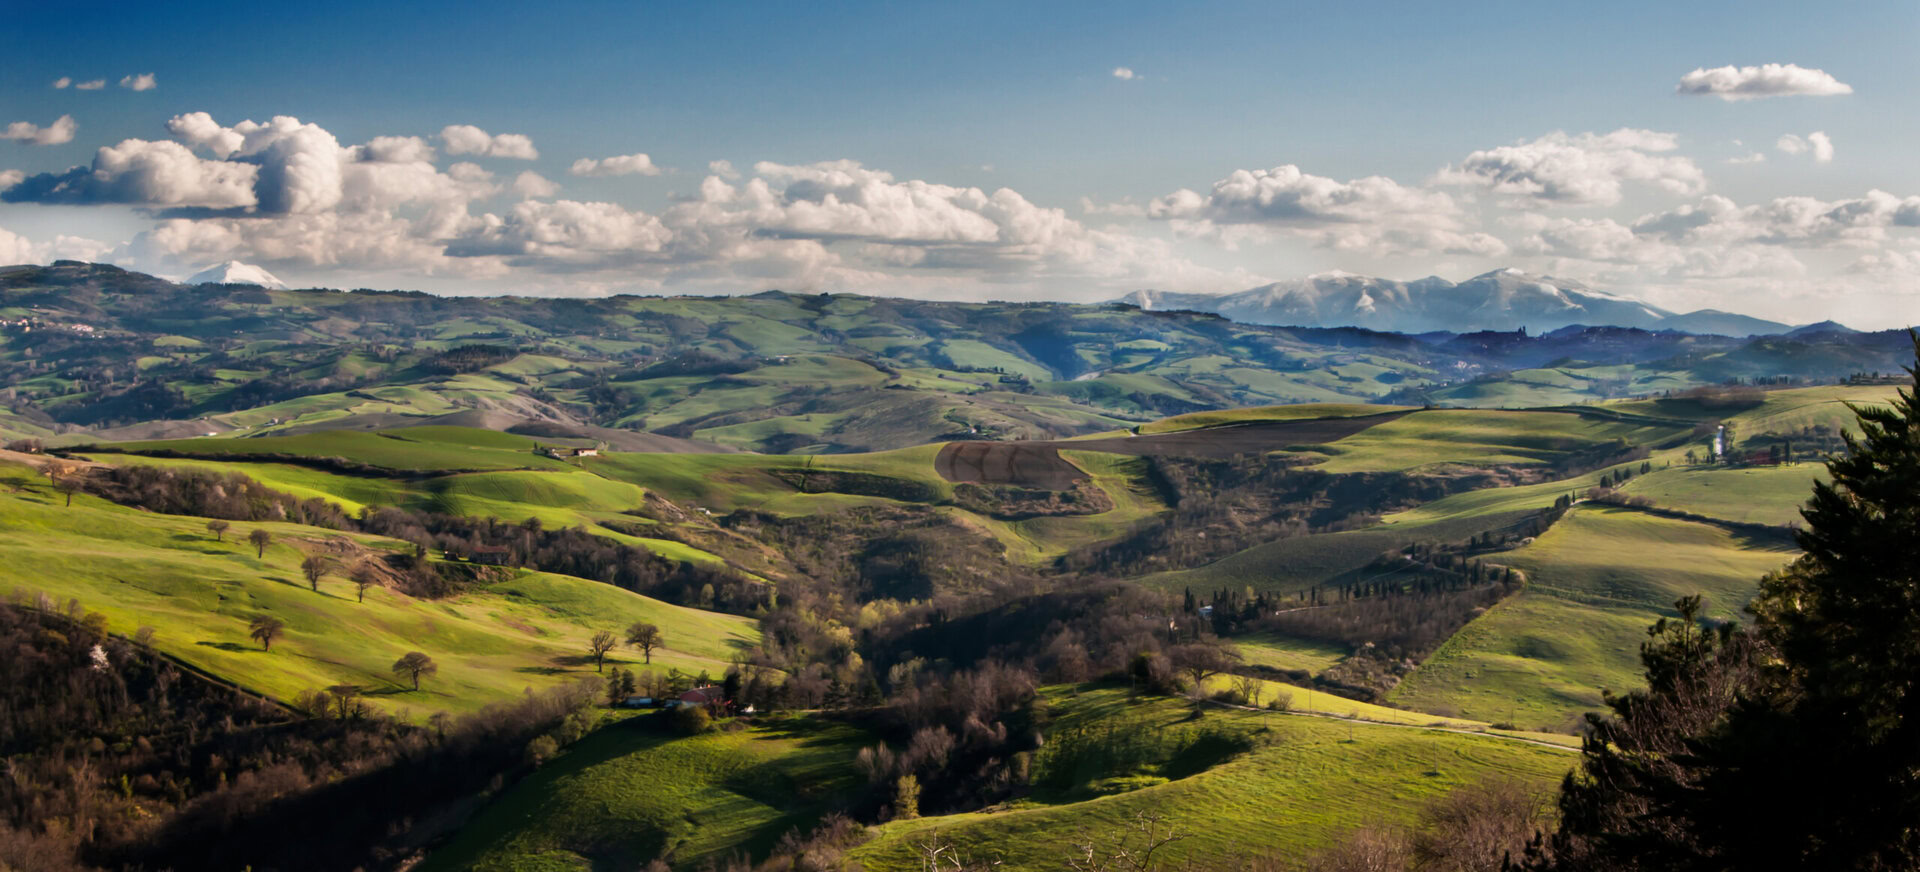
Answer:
(1505, 299)
(234, 272)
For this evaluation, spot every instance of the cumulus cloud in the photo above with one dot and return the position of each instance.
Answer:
(1124, 73)
(1817, 144)
(1584, 170)
(91, 85)
(139, 82)
(138, 172)
(62, 82)
(16, 249)
(1752, 157)
(395, 149)
(1766, 80)
(621, 165)
(1374, 214)
(723, 168)
(1802, 222)
(59, 132)
(532, 185)
(468, 139)
(9, 178)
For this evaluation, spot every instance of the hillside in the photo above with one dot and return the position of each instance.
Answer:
(94, 353)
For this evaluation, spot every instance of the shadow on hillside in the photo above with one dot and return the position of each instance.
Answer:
(235, 647)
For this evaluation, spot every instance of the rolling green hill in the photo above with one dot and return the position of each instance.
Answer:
(167, 572)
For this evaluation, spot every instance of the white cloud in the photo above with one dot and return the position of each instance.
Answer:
(59, 132)
(1124, 73)
(621, 165)
(723, 168)
(139, 82)
(92, 85)
(138, 172)
(9, 178)
(532, 185)
(395, 149)
(566, 231)
(1766, 80)
(468, 139)
(15, 249)
(62, 82)
(1816, 143)
(1752, 157)
(199, 130)
(1374, 215)
(1584, 170)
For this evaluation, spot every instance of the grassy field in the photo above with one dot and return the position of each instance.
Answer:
(1302, 784)
(1284, 652)
(1297, 412)
(167, 572)
(402, 449)
(1480, 437)
(1755, 495)
(632, 792)
(1597, 579)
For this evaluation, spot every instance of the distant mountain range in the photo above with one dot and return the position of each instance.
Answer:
(1507, 299)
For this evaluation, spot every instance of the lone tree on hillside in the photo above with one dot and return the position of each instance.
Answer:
(69, 485)
(1201, 661)
(315, 566)
(260, 539)
(265, 629)
(219, 529)
(645, 637)
(414, 665)
(363, 577)
(599, 645)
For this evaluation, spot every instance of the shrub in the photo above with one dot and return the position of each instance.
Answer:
(691, 720)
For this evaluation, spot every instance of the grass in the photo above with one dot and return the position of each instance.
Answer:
(1196, 420)
(1481, 438)
(1754, 495)
(394, 450)
(1285, 652)
(1597, 580)
(1303, 784)
(631, 792)
(143, 569)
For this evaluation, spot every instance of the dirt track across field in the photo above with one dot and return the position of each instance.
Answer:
(1039, 464)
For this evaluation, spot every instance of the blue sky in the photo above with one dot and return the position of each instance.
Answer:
(982, 150)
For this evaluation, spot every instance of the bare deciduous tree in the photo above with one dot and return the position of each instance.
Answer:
(364, 577)
(1368, 849)
(315, 566)
(1136, 847)
(1475, 828)
(646, 637)
(414, 665)
(599, 645)
(264, 629)
(218, 528)
(260, 539)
